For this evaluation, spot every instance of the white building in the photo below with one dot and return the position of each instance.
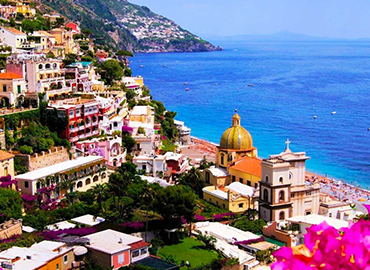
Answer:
(152, 165)
(83, 173)
(14, 38)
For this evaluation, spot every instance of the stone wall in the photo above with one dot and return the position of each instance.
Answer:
(10, 228)
(44, 159)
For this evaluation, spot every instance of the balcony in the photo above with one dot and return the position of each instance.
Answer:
(53, 80)
(74, 139)
(74, 129)
(58, 91)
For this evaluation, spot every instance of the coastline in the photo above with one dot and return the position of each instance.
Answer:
(335, 189)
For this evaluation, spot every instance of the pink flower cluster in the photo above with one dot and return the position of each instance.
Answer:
(199, 218)
(55, 235)
(327, 248)
(223, 215)
(137, 225)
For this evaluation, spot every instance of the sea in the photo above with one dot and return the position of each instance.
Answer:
(314, 93)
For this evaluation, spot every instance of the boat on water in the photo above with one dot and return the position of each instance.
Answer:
(332, 113)
(315, 117)
(141, 66)
(251, 85)
(185, 83)
(164, 65)
(187, 89)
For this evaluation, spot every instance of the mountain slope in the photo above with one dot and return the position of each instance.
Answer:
(121, 24)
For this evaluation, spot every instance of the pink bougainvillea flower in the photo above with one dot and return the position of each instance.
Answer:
(327, 248)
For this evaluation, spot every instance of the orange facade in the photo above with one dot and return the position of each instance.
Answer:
(121, 259)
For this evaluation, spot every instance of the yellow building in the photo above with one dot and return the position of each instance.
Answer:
(46, 255)
(237, 171)
(6, 164)
(236, 197)
(143, 114)
(139, 80)
(25, 9)
(236, 142)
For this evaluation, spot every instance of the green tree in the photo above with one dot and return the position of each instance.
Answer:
(110, 71)
(124, 53)
(100, 191)
(128, 142)
(174, 202)
(69, 59)
(10, 204)
(254, 226)
(193, 179)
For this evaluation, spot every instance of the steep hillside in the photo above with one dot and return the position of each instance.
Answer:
(122, 24)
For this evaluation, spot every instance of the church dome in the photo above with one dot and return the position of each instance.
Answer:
(236, 137)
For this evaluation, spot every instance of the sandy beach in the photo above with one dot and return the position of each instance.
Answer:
(338, 190)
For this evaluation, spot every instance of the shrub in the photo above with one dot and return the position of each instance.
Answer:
(25, 149)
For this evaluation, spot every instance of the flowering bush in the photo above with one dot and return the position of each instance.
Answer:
(223, 215)
(28, 198)
(137, 225)
(6, 181)
(199, 218)
(327, 248)
(10, 239)
(54, 235)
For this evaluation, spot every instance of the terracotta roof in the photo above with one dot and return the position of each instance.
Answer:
(14, 31)
(9, 76)
(5, 155)
(248, 165)
(139, 245)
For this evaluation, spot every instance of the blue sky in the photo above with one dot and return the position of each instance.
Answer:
(324, 18)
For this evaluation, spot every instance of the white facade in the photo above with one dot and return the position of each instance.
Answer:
(152, 165)
(14, 38)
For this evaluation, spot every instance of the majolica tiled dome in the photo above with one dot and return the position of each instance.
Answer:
(236, 137)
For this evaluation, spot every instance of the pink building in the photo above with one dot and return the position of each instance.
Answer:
(110, 148)
(115, 249)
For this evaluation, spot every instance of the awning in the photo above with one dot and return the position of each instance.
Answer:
(72, 123)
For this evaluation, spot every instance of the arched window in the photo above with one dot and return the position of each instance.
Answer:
(281, 179)
(88, 181)
(267, 178)
(222, 159)
(41, 66)
(282, 196)
(79, 184)
(290, 176)
(47, 66)
(103, 175)
(282, 215)
(265, 195)
(95, 179)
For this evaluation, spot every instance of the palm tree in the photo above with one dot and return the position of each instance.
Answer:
(100, 191)
(193, 179)
(147, 195)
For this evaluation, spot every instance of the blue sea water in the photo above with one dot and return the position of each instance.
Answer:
(293, 82)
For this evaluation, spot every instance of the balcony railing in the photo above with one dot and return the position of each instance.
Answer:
(59, 91)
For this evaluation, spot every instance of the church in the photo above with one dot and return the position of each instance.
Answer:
(275, 186)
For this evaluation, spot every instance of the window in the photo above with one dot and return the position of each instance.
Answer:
(71, 113)
(208, 176)
(95, 179)
(79, 184)
(282, 215)
(65, 258)
(57, 266)
(281, 179)
(115, 124)
(38, 186)
(290, 176)
(121, 259)
(88, 181)
(292, 195)
(330, 214)
(136, 253)
(249, 183)
(223, 205)
(5, 89)
(222, 159)
(233, 179)
(143, 251)
(267, 178)
(308, 193)
(40, 66)
(19, 89)
(26, 184)
(144, 167)
(241, 205)
(282, 196)
(255, 185)
(241, 180)
(265, 195)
